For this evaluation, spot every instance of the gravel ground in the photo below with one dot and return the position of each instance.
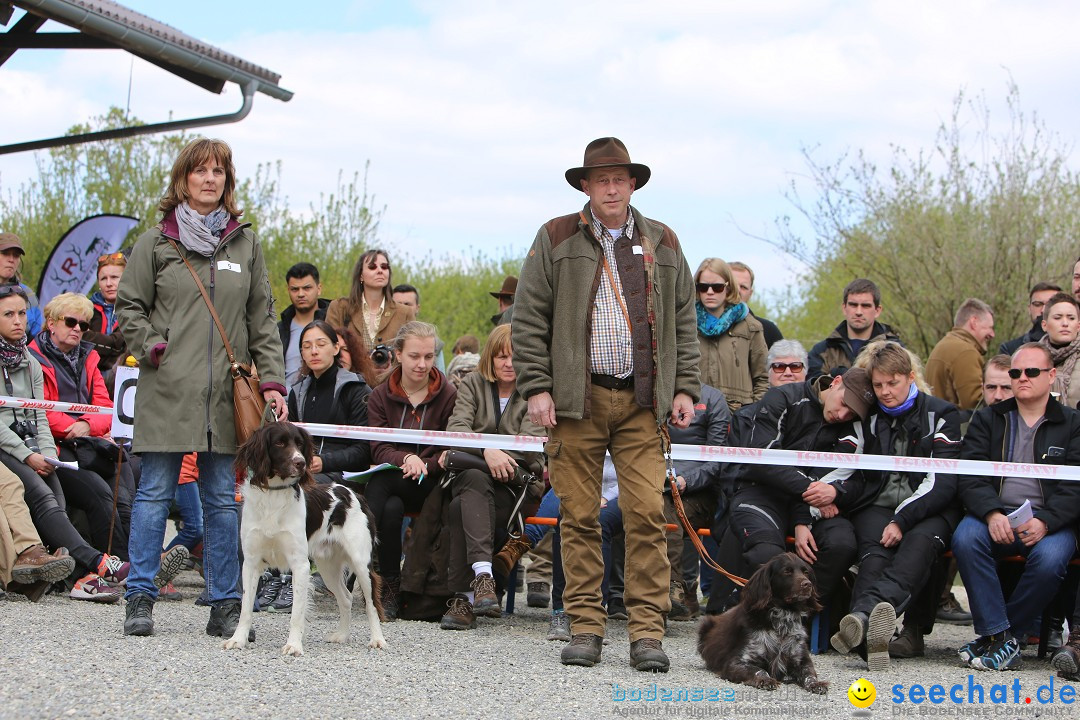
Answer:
(63, 658)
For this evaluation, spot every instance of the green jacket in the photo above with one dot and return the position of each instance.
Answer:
(26, 382)
(184, 403)
(552, 312)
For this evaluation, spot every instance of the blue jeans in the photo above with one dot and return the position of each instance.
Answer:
(976, 555)
(549, 508)
(190, 507)
(221, 518)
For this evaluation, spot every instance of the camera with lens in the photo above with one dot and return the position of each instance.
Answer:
(382, 356)
(27, 430)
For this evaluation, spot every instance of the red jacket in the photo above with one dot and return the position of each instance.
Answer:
(96, 391)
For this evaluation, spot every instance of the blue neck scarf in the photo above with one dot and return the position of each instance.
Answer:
(711, 326)
(904, 406)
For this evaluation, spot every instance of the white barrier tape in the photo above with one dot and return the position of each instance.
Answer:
(699, 453)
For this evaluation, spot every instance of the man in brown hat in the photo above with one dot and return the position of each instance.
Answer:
(11, 252)
(605, 347)
(505, 296)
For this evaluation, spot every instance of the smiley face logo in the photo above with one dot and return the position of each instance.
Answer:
(862, 693)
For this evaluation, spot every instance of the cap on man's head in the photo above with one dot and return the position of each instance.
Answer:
(9, 241)
(858, 391)
(508, 289)
(608, 152)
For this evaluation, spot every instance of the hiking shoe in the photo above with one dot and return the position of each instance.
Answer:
(267, 592)
(460, 616)
(284, 600)
(616, 610)
(583, 649)
(485, 601)
(951, 612)
(389, 590)
(539, 594)
(1003, 654)
(223, 620)
(879, 631)
(35, 564)
(647, 655)
(973, 649)
(172, 562)
(1067, 658)
(139, 615)
(113, 570)
(93, 588)
(170, 593)
(851, 633)
(677, 595)
(908, 644)
(505, 560)
(559, 628)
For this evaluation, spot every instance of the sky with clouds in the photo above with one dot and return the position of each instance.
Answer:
(470, 112)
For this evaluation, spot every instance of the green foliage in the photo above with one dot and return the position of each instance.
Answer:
(983, 214)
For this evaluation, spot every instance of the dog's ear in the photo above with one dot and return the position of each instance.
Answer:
(254, 455)
(758, 591)
(306, 443)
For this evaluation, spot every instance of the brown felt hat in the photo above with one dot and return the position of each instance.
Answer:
(509, 288)
(607, 153)
(858, 391)
(9, 241)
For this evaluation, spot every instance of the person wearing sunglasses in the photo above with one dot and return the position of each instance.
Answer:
(731, 340)
(1030, 429)
(370, 310)
(786, 362)
(1061, 320)
(104, 331)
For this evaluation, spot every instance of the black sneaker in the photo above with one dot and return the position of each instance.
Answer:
(269, 587)
(223, 620)
(283, 601)
(138, 615)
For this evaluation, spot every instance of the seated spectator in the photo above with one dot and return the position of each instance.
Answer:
(1030, 428)
(26, 567)
(744, 278)
(1061, 320)
(408, 296)
(786, 362)
(26, 442)
(104, 333)
(862, 308)
(370, 310)
(466, 344)
(997, 385)
(1040, 293)
(306, 305)
(955, 366)
(461, 366)
(11, 252)
(902, 520)
(328, 394)
(482, 502)
(415, 396)
(732, 345)
(354, 358)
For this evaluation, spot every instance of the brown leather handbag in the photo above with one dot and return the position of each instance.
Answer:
(249, 407)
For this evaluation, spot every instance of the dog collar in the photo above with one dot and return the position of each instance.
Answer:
(286, 487)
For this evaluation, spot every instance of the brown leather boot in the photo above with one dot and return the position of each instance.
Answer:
(35, 564)
(909, 644)
(505, 560)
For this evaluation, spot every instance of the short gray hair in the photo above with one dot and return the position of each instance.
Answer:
(786, 348)
(972, 307)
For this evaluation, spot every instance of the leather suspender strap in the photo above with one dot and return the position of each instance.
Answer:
(610, 275)
(209, 304)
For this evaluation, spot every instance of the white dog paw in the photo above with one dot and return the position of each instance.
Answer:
(377, 643)
(294, 649)
(234, 643)
(338, 637)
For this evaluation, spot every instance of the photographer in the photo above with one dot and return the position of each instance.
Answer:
(482, 501)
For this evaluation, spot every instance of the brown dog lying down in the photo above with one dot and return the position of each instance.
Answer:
(761, 642)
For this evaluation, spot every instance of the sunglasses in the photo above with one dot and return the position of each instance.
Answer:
(779, 367)
(115, 257)
(383, 266)
(1015, 373)
(72, 322)
(718, 288)
(6, 290)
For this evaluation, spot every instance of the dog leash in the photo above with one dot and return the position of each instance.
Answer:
(676, 499)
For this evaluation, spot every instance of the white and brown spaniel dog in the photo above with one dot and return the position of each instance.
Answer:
(288, 518)
(761, 642)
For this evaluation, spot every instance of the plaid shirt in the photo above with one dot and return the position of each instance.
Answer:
(610, 346)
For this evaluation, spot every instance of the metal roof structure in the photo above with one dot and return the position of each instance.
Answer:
(103, 24)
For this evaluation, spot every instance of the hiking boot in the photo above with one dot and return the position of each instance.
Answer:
(1067, 658)
(284, 600)
(616, 610)
(539, 594)
(139, 615)
(851, 633)
(390, 589)
(485, 601)
(34, 591)
(93, 588)
(35, 564)
(1003, 654)
(267, 592)
(583, 649)
(559, 628)
(170, 593)
(973, 649)
(677, 595)
(647, 655)
(460, 616)
(879, 631)
(505, 560)
(113, 570)
(909, 644)
(951, 612)
(223, 620)
(172, 562)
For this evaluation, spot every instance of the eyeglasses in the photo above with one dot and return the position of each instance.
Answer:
(718, 288)
(1015, 373)
(317, 344)
(779, 367)
(382, 266)
(72, 322)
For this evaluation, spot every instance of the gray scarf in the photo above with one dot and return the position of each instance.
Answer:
(200, 234)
